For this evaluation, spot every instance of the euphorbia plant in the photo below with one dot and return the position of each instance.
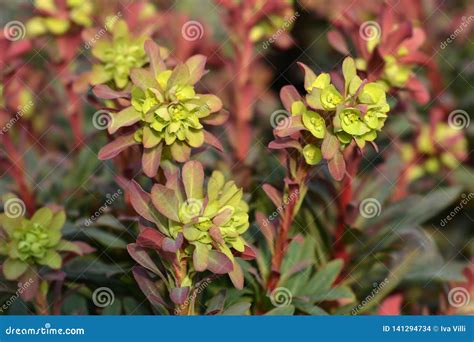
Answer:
(194, 227)
(324, 124)
(165, 111)
(32, 244)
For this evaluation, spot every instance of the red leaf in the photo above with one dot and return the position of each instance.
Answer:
(151, 160)
(105, 92)
(148, 287)
(142, 258)
(329, 146)
(151, 238)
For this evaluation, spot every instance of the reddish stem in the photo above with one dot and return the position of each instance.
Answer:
(353, 158)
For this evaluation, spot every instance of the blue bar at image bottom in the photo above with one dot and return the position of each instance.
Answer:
(237, 328)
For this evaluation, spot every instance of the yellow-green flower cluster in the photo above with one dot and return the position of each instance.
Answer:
(358, 112)
(442, 147)
(118, 55)
(57, 20)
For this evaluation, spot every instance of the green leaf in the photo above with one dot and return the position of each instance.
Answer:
(238, 309)
(324, 278)
(196, 65)
(337, 166)
(348, 70)
(109, 240)
(340, 292)
(124, 118)
(43, 217)
(113, 148)
(14, 268)
(52, 259)
(219, 263)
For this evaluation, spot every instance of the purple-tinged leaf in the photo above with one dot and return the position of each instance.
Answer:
(141, 201)
(288, 95)
(151, 160)
(337, 41)
(170, 245)
(266, 227)
(248, 253)
(309, 75)
(150, 238)
(222, 217)
(179, 294)
(124, 118)
(143, 79)
(216, 119)
(285, 143)
(212, 140)
(156, 62)
(193, 179)
(237, 276)
(295, 125)
(216, 235)
(329, 146)
(104, 92)
(148, 287)
(113, 148)
(165, 201)
(219, 263)
(272, 193)
(140, 255)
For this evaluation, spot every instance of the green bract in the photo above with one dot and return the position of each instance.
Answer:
(206, 222)
(58, 21)
(118, 55)
(31, 242)
(168, 111)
